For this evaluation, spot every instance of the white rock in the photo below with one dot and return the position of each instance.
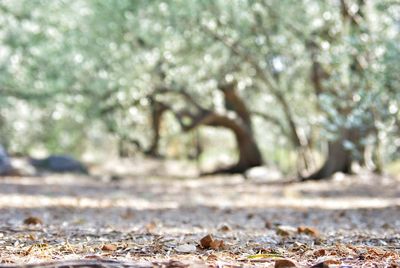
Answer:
(186, 248)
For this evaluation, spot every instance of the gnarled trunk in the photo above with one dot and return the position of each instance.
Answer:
(237, 119)
(249, 153)
(339, 158)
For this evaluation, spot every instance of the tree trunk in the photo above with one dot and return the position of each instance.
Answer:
(249, 153)
(237, 118)
(157, 111)
(340, 158)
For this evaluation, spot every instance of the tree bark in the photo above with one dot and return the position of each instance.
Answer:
(249, 153)
(339, 158)
(237, 119)
(157, 111)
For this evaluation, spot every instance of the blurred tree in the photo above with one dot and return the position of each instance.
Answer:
(347, 83)
(286, 77)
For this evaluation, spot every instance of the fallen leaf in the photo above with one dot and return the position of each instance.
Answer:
(212, 257)
(209, 242)
(109, 247)
(206, 241)
(285, 230)
(186, 248)
(224, 228)
(308, 231)
(320, 252)
(217, 244)
(334, 262)
(33, 221)
(284, 263)
(264, 256)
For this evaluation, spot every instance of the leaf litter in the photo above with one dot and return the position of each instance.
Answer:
(208, 222)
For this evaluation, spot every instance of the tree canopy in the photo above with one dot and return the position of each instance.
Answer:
(293, 80)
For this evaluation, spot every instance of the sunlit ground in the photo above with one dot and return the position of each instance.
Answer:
(148, 215)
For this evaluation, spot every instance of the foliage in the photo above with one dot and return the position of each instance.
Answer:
(74, 71)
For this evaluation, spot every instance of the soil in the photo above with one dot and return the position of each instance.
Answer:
(157, 217)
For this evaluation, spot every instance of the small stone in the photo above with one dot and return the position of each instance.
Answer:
(186, 248)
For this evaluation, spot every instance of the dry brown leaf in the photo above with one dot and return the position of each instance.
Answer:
(319, 253)
(284, 263)
(205, 242)
(109, 247)
(224, 228)
(209, 242)
(308, 231)
(212, 258)
(217, 244)
(285, 230)
(282, 232)
(33, 221)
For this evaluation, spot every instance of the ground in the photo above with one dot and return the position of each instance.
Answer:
(150, 218)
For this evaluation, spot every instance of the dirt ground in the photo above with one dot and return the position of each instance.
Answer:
(155, 217)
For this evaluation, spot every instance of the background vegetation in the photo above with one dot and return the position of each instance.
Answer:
(294, 84)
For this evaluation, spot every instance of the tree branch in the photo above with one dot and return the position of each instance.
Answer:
(266, 77)
(234, 102)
